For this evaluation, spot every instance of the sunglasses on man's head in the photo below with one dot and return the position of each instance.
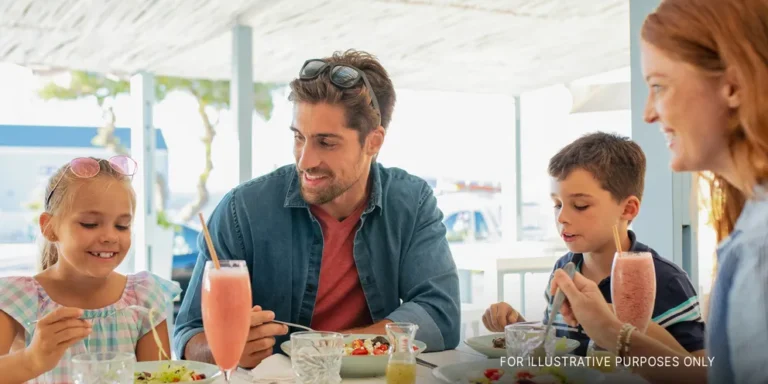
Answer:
(86, 167)
(342, 76)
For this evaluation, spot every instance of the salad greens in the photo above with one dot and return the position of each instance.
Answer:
(169, 373)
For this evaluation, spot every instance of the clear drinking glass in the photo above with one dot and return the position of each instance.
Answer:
(103, 368)
(523, 338)
(601, 358)
(633, 288)
(316, 357)
(226, 306)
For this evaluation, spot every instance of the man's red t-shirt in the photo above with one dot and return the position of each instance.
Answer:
(340, 302)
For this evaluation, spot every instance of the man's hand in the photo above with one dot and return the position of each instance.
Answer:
(261, 337)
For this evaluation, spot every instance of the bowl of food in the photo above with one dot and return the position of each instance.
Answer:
(494, 345)
(365, 355)
(176, 371)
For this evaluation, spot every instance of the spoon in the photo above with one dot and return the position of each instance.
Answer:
(570, 269)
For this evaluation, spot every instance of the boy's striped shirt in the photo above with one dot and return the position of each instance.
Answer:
(676, 309)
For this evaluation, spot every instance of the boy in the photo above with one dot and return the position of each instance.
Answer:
(597, 181)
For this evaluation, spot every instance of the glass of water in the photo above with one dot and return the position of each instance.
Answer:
(603, 359)
(103, 368)
(316, 357)
(522, 339)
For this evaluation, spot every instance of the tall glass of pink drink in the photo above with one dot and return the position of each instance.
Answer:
(226, 306)
(633, 288)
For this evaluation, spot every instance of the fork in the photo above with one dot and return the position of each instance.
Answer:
(293, 325)
(539, 351)
(108, 314)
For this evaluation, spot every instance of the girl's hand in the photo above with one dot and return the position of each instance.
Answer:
(54, 334)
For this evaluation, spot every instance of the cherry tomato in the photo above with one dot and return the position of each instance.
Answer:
(524, 375)
(493, 373)
(359, 351)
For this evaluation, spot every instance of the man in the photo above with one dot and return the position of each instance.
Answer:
(336, 241)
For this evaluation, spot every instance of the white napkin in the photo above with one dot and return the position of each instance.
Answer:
(275, 369)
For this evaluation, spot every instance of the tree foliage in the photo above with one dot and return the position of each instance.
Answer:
(212, 97)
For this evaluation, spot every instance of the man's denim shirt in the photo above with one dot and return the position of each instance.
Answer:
(400, 251)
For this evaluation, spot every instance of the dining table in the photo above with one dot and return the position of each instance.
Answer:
(276, 369)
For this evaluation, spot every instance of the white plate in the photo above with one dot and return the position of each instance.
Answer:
(484, 345)
(461, 373)
(361, 366)
(210, 371)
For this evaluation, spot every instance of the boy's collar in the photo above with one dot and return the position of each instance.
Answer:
(634, 246)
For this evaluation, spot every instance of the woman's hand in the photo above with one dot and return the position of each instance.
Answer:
(54, 334)
(585, 305)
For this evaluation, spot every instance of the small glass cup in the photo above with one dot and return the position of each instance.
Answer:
(523, 338)
(103, 368)
(602, 359)
(316, 357)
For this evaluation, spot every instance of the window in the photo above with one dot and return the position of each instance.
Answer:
(458, 226)
(548, 125)
(481, 227)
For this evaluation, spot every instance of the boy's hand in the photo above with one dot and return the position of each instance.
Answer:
(54, 334)
(500, 315)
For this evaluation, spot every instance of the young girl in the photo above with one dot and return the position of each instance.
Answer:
(78, 303)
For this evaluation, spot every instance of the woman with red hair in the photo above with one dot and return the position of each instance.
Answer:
(706, 64)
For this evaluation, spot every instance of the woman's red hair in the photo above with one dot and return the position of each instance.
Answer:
(719, 37)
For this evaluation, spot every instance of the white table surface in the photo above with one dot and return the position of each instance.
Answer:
(277, 369)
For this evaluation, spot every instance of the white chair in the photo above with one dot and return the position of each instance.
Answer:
(471, 316)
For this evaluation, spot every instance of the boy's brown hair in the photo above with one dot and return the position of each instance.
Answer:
(615, 161)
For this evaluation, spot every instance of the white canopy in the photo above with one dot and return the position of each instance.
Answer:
(496, 46)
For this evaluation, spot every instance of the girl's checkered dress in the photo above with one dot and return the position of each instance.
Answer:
(25, 300)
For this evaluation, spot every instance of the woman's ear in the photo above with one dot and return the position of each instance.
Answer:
(46, 228)
(731, 90)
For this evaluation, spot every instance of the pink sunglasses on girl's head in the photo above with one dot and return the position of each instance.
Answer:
(86, 167)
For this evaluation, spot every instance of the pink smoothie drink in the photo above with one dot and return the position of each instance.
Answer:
(226, 307)
(633, 288)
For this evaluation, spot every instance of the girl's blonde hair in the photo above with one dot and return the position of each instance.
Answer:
(66, 184)
(718, 37)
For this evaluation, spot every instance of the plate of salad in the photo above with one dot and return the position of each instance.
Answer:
(493, 372)
(494, 345)
(176, 371)
(365, 355)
